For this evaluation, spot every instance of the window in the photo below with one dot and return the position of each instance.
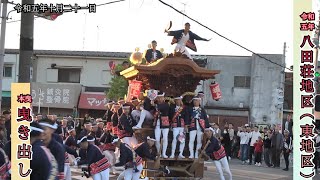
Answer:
(242, 81)
(7, 71)
(69, 75)
(96, 89)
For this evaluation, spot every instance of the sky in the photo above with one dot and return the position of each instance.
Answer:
(260, 25)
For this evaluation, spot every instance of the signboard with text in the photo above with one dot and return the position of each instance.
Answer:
(92, 101)
(55, 95)
(21, 148)
(304, 91)
(134, 89)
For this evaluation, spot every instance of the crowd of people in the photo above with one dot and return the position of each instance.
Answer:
(104, 144)
(251, 144)
(270, 142)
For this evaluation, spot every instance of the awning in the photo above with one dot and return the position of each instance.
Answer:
(6, 93)
(92, 101)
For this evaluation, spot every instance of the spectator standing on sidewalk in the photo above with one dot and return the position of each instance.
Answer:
(3, 132)
(258, 146)
(225, 141)
(254, 137)
(317, 152)
(249, 130)
(7, 115)
(217, 131)
(288, 125)
(244, 139)
(267, 147)
(276, 146)
(232, 139)
(287, 148)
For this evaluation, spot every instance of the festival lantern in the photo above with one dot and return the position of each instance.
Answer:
(112, 65)
(215, 91)
(152, 94)
(136, 57)
(49, 15)
(134, 89)
(163, 53)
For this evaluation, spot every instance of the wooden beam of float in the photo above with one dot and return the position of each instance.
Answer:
(172, 75)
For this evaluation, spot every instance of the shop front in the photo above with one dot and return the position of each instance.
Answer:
(6, 100)
(55, 98)
(92, 104)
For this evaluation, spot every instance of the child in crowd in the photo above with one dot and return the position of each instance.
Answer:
(258, 151)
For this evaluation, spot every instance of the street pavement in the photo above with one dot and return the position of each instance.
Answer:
(239, 172)
(249, 172)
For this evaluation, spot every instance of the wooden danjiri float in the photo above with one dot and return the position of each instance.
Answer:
(175, 75)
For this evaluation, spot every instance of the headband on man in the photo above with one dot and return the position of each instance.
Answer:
(115, 141)
(151, 139)
(54, 126)
(177, 98)
(83, 139)
(35, 129)
(210, 129)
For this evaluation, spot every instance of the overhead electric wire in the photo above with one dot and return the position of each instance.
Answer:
(110, 3)
(223, 36)
(192, 20)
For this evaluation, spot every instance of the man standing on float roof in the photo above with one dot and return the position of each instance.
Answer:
(185, 38)
(153, 54)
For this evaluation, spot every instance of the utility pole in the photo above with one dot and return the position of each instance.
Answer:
(26, 45)
(282, 81)
(184, 11)
(2, 43)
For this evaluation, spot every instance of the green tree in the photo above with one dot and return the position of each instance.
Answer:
(119, 85)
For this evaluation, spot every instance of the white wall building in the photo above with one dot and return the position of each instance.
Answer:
(246, 82)
(60, 76)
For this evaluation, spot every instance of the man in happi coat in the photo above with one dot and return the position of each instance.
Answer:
(185, 38)
(179, 118)
(197, 124)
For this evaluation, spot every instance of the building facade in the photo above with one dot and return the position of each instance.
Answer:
(67, 80)
(10, 72)
(247, 84)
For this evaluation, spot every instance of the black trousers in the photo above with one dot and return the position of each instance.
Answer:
(286, 158)
(316, 160)
(276, 157)
(267, 155)
(227, 148)
(257, 158)
(251, 153)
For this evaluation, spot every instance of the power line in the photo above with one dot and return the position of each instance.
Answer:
(141, 3)
(224, 36)
(110, 3)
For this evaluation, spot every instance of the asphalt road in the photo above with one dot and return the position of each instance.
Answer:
(239, 172)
